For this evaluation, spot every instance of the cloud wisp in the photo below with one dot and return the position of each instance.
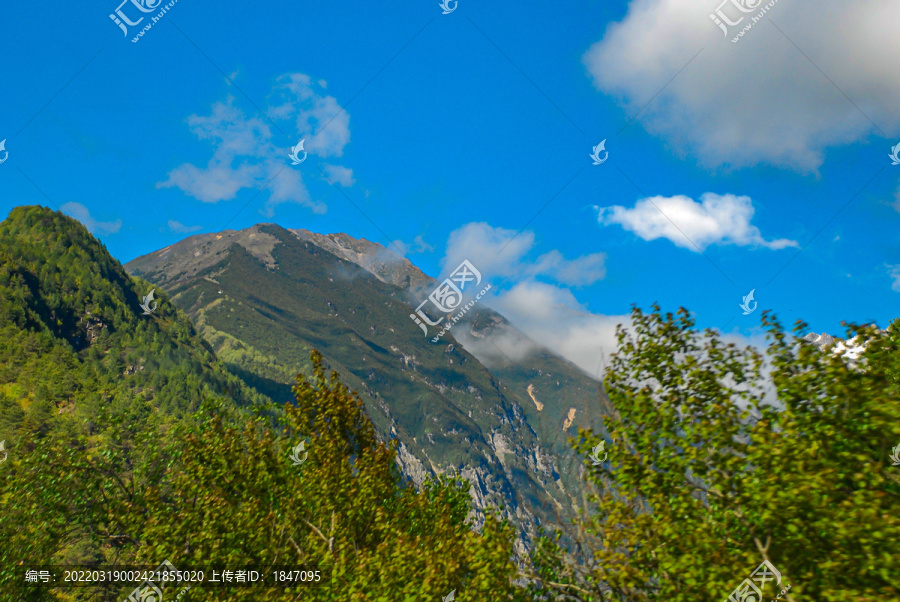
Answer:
(95, 226)
(246, 156)
(499, 252)
(546, 313)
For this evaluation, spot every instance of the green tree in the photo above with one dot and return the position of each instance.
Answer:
(219, 489)
(233, 496)
(706, 478)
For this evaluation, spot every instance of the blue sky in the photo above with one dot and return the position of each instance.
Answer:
(757, 164)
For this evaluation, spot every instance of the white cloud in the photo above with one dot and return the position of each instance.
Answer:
(895, 276)
(553, 317)
(180, 228)
(499, 252)
(233, 133)
(760, 100)
(340, 175)
(83, 215)
(287, 186)
(547, 314)
(216, 182)
(296, 98)
(717, 219)
(586, 269)
(896, 203)
(245, 155)
(418, 245)
(503, 344)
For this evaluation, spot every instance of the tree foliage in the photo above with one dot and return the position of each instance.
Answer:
(220, 490)
(710, 473)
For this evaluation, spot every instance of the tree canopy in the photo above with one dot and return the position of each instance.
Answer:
(709, 473)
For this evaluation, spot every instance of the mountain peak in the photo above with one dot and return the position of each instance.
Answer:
(822, 340)
(380, 261)
(185, 259)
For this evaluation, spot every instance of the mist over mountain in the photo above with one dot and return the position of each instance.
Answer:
(265, 296)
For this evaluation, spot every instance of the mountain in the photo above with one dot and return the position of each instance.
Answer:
(555, 392)
(851, 349)
(127, 442)
(81, 365)
(265, 296)
(75, 336)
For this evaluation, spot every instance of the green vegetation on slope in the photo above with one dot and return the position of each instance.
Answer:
(81, 366)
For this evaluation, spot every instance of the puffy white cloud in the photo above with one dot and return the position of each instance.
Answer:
(287, 186)
(499, 252)
(586, 269)
(758, 100)
(231, 131)
(83, 215)
(716, 219)
(553, 317)
(216, 182)
(244, 157)
(547, 314)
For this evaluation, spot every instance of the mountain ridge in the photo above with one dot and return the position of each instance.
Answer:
(481, 423)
